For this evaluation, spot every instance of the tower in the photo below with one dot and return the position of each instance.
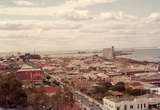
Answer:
(108, 53)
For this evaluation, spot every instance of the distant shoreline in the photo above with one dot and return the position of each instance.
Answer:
(145, 55)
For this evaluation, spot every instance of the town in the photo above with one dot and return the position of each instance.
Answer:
(79, 82)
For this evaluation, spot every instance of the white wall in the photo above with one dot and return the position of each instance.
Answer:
(111, 105)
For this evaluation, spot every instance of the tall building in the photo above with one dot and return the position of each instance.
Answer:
(108, 53)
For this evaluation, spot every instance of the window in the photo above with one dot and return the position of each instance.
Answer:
(131, 106)
(125, 107)
(144, 105)
(118, 108)
(138, 106)
(141, 106)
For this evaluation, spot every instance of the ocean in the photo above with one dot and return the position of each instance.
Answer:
(152, 55)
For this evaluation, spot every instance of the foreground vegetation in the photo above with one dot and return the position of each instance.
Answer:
(12, 95)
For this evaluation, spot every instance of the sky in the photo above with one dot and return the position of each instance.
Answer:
(61, 25)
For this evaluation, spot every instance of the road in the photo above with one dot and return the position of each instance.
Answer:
(83, 99)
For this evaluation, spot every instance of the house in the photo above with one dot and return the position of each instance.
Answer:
(29, 74)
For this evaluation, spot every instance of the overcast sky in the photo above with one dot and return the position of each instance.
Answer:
(42, 25)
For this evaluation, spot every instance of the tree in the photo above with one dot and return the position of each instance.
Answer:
(48, 77)
(68, 97)
(120, 83)
(62, 99)
(11, 92)
(101, 89)
(108, 84)
(137, 92)
(39, 101)
(120, 86)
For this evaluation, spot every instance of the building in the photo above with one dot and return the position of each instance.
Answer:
(155, 90)
(29, 74)
(108, 53)
(3, 66)
(145, 102)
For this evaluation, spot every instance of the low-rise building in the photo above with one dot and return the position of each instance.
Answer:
(131, 103)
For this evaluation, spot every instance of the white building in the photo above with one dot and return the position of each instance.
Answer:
(155, 90)
(131, 103)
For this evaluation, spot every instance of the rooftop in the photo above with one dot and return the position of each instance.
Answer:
(26, 67)
(129, 98)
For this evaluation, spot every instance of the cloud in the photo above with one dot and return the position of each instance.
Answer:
(115, 16)
(76, 15)
(23, 3)
(53, 12)
(37, 24)
(107, 22)
(84, 3)
(80, 29)
(154, 17)
(67, 10)
(14, 27)
(122, 24)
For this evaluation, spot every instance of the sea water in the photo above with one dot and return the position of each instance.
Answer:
(152, 55)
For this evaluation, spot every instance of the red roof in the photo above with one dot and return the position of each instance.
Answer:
(135, 84)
